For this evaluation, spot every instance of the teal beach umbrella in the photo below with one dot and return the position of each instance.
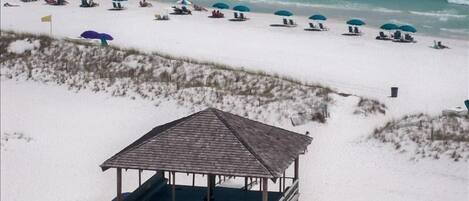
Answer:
(317, 17)
(285, 13)
(355, 22)
(389, 26)
(241, 8)
(220, 5)
(408, 28)
(184, 2)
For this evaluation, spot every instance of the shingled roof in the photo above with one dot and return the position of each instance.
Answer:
(213, 142)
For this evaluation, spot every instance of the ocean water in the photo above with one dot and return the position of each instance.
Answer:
(446, 18)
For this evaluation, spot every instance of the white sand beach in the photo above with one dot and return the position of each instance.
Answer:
(429, 80)
(336, 167)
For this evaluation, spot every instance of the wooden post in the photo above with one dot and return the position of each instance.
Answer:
(283, 187)
(169, 177)
(193, 179)
(280, 184)
(210, 186)
(119, 184)
(174, 186)
(139, 178)
(260, 184)
(245, 183)
(297, 165)
(265, 192)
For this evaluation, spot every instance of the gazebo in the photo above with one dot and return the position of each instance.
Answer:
(216, 144)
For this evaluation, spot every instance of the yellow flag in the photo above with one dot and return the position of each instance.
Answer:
(46, 18)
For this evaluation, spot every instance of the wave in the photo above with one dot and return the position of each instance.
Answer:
(457, 31)
(386, 10)
(344, 5)
(459, 2)
(347, 6)
(441, 15)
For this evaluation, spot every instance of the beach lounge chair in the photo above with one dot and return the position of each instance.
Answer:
(441, 46)
(397, 35)
(161, 17)
(350, 29)
(117, 5)
(322, 27)
(382, 36)
(242, 17)
(84, 4)
(51, 2)
(56, 3)
(181, 11)
(144, 3)
(356, 31)
(88, 4)
(185, 10)
(285, 21)
(312, 27)
(291, 22)
(199, 8)
(235, 15)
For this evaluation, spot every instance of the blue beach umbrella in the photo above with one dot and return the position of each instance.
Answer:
(408, 28)
(317, 17)
(389, 26)
(284, 13)
(355, 22)
(90, 34)
(220, 5)
(241, 8)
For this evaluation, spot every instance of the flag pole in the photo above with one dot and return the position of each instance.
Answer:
(50, 30)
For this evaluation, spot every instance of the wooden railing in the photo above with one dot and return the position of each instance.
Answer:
(292, 193)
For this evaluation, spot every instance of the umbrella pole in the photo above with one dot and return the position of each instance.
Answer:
(50, 27)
